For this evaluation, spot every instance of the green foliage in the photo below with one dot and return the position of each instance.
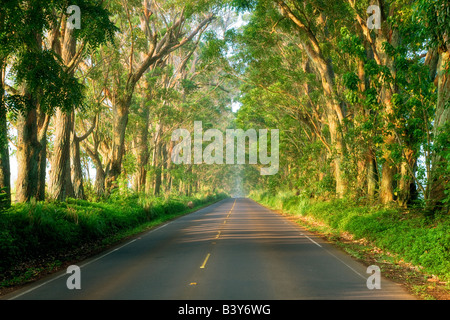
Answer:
(96, 29)
(44, 74)
(243, 5)
(351, 44)
(212, 49)
(39, 70)
(351, 80)
(434, 18)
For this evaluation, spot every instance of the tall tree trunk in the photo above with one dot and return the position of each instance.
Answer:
(372, 174)
(404, 185)
(440, 178)
(27, 155)
(157, 163)
(386, 34)
(142, 152)
(334, 112)
(387, 181)
(43, 121)
(388, 170)
(377, 42)
(336, 141)
(120, 121)
(5, 172)
(31, 154)
(100, 176)
(366, 176)
(60, 168)
(76, 170)
(169, 166)
(60, 174)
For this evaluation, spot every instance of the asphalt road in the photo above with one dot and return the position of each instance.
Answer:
(232, 250)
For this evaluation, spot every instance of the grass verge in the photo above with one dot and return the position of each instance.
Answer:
(40, 238)
(408, 247)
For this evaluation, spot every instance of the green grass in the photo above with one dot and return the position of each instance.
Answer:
(36, 236)
(410, 235)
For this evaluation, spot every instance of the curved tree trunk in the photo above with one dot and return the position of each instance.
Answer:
(334, 112)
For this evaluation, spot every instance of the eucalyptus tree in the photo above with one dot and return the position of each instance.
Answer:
(435, 23)
(301, 32)
(194, 87)
(310, 19)
(73, 45)
(363, 95)
(40, 84)
(401, 82)
(163, 28)
(5, 171)
(189, 84)
(9, 14)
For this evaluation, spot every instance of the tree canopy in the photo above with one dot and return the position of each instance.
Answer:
(362, 109)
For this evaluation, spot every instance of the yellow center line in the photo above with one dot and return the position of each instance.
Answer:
(217, 237)
(204, 262)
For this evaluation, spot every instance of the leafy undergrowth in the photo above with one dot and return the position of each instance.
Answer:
(408, 246)
(41, 237)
